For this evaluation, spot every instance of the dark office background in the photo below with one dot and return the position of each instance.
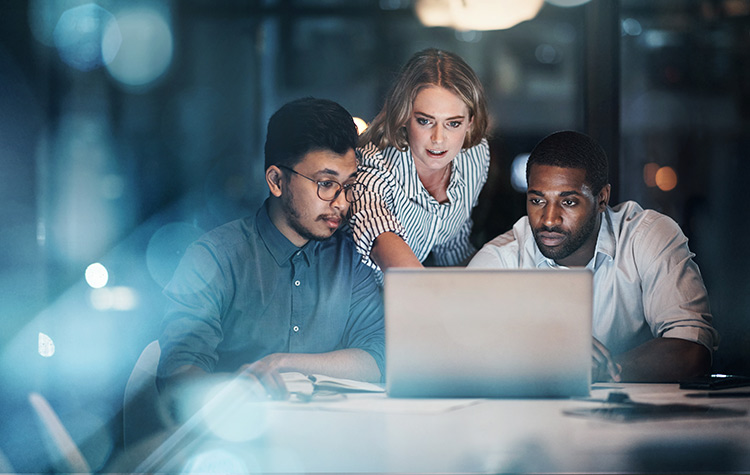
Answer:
(121, 154)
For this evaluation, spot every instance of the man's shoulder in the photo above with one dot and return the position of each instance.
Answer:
(229, 235)
(630, 219)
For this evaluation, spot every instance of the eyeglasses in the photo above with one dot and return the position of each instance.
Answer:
(329, 190)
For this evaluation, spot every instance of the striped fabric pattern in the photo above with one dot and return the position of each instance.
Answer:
(395, 200)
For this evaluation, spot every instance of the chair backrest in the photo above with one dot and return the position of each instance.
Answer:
(62, 449)
(141, 412)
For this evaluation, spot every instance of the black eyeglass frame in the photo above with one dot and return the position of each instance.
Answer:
(351, 189)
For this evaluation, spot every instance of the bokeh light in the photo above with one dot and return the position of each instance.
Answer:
(147, 46)
(492, 14)
(44, 14)
(476, 14)
(80, 152)
(468, 36)
(96, 275)
(240, 397)
(114, 298)
(80, 40)
(433, 13)
(518, 172)
(547, 54)
(361, 125)
(631, 27)
(45, 346)
(666, 178)
(649, 174)
(216, 461)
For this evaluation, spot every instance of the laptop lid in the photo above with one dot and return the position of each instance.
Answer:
(458, 332)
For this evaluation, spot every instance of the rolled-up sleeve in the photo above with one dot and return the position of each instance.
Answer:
(675, 299)
(191, 328)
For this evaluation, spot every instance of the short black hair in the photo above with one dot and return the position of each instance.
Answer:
(570, 149)
(306, 125)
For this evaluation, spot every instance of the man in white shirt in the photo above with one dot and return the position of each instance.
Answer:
(652, 320)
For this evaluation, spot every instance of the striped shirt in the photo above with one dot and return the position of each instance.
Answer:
(395, 201)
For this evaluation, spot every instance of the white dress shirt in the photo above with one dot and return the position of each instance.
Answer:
(646, 283)
(396, 201)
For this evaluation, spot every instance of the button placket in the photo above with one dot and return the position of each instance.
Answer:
(297, 293)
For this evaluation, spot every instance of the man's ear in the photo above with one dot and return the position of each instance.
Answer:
(274, 179)
(602, 199)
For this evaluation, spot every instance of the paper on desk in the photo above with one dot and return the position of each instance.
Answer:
(298, 383)
(321, 392)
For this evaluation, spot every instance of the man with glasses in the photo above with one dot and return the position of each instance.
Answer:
(282, 290)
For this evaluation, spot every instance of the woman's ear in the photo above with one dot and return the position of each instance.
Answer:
(274, 179)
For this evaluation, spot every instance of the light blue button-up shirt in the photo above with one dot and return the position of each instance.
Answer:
(646, 283)
(244, 291)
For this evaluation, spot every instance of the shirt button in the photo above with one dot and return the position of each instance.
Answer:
(296, 283)
(295, 328)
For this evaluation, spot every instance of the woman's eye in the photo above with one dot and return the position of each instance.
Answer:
(422, 121)
(454, 124)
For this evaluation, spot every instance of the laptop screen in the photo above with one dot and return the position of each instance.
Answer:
(457, 332)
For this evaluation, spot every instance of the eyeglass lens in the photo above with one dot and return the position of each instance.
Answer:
(329, 191)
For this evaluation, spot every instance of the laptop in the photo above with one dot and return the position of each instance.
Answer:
(487, 333)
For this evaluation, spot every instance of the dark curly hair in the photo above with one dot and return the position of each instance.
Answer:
(570, 149)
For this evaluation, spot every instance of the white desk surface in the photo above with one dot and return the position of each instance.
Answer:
(372, 433)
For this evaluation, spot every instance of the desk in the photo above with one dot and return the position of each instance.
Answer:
(371, 433)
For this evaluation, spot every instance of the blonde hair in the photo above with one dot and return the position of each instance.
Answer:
(429, 67)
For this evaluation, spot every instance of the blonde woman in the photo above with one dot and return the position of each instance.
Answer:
(423, 162)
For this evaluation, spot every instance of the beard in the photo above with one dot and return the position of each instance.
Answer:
(294, 219)
(573, 242)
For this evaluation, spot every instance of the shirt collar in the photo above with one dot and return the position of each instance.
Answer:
(281, 249)
(542, 261)
(414, 186)
(605, 242)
